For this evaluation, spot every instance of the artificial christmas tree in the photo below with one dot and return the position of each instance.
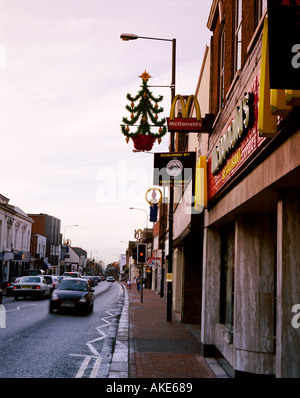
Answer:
(143, 138)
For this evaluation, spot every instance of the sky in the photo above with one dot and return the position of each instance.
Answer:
(64, 77)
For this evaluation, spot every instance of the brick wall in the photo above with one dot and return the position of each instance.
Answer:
(248, 28)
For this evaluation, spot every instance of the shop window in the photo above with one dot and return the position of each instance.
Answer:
(237, 35)
(227, 276)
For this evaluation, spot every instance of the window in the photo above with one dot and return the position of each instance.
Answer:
(237, 36)
(261, 6)
(221, 68)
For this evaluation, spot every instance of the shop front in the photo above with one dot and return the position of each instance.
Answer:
(251, 237)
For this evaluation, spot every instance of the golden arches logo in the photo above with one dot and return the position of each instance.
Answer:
(186, 107)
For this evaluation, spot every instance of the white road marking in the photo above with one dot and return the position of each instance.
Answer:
(19, 308)
(96, 355)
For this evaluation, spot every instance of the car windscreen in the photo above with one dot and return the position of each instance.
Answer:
(32, 279)
(69, 284)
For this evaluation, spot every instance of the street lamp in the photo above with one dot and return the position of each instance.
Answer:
(134, 208)
(131, 36)
(73, 225)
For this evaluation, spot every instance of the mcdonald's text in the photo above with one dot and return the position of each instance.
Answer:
(181, 124)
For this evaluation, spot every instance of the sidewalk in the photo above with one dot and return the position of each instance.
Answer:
(157, 348)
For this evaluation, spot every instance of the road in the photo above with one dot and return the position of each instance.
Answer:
(37, 344)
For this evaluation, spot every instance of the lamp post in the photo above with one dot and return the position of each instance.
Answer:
(68, 226)
(131, 36)
(134, 208)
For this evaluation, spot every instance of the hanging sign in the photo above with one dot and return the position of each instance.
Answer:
(284, 44)
(178, 166)
(185, 123)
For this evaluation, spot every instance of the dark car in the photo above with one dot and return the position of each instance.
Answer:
(90, 279)
(73, 294)
(10, 285)
(72, 274)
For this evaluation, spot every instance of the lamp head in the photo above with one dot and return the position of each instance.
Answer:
(128, 36)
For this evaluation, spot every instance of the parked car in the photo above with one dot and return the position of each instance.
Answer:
(74, 294)
(90, 279)
(72, 274)
(52, 281)
(34, 272)
(31, 286)
(110, 279)
(11, 284)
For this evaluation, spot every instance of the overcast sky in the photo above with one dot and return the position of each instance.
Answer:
(64, 76)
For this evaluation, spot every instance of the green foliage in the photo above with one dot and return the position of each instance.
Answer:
(145, 112)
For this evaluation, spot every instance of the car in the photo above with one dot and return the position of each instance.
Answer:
(73, 294)
(90, 279)
(34, 272)
(10, 285)
(52, 281)
(72, 274)
(31, 286)
(110, 279)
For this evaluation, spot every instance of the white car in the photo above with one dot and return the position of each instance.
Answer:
(32, 286)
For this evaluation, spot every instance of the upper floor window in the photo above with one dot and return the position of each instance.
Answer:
(261, 6)
(237, 35)
(221, 68)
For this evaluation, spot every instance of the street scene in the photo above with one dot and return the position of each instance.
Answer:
(149, 192)
(60, 345)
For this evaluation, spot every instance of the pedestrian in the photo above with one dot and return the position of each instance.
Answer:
(129, 284)
(138, 283)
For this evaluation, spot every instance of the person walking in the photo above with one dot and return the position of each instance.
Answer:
(138, 283)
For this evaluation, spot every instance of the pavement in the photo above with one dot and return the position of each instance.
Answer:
(148, 346)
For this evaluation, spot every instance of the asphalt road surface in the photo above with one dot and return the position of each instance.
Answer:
(37, 344)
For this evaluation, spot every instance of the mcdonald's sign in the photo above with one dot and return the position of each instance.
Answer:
(185, 123)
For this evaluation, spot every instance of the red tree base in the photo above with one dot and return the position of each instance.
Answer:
(143, 142)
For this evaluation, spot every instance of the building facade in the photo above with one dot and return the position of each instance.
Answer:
(251, 244)
(49, 227)
(15, 234)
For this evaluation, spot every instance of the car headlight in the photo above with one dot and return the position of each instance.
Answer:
(54, 296)
(82, 300)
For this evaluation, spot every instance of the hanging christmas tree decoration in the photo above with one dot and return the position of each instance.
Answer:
(144, 109)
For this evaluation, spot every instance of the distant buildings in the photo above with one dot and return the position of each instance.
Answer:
(15, 236)
(34, 241)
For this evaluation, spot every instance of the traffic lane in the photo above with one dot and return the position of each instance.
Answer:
(38, 344)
